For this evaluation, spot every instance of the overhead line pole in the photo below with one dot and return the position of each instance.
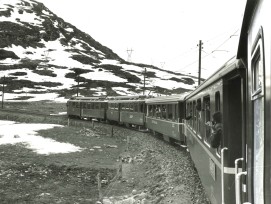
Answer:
(144, 81)
(200, 45)
(3, 92)
(77, 85)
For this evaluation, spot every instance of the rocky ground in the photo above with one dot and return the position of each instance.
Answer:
(154, 171)
(135, 167)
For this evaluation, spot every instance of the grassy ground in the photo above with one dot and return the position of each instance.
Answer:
(158, 172)
(38, 107)
(28, 177)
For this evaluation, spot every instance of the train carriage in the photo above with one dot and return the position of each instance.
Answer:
(253, 182)
(128, 110)
(87, 107)
(93, 107)
(223, 92)
(73, 107)
(165, 115)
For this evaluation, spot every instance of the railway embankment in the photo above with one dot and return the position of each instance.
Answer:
(133, 167)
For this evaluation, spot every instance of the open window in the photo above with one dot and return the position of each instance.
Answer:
(217, 101)
(207, 118)
(194, 116)
(199, 116)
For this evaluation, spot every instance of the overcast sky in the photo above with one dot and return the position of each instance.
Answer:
(164, 33)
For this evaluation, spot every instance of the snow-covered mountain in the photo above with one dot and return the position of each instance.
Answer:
(42, 55)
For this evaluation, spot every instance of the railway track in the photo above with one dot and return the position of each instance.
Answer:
(64, 120)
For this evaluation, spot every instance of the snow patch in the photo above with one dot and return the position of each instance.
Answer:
(14, 133)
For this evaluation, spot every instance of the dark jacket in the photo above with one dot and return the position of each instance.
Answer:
(216, 135)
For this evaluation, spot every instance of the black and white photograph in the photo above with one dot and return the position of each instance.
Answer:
(135, 102)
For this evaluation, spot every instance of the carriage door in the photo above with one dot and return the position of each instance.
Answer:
(257, 102)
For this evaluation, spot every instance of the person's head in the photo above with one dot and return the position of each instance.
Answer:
(217, 117)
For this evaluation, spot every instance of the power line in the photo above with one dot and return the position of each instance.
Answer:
(208, 54)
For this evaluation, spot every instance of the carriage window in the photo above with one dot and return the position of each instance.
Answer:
(187, 111)
(194, 116)
(141, 105)
(207, 118)
(158, 111)
(164, 111)
(177, 115)
(217, 101)
(170, 111)
(257, 74)
(190, 114)
(136, 107)
(154, 110)
(97, 105)
(217, 108)
(149, 110)
(84, 105)
(131, 105)
(77, 105)
(173, 112)
(103, 105)
(198, 107)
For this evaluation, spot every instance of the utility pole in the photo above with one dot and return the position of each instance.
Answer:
(129, 52)
(77, 85)
(144, 73)
(200, 47)
(3, 92)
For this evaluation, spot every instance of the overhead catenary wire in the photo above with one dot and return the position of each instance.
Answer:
(194, 49)
(208, 54)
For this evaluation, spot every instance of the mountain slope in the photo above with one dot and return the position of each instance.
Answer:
(42, 55)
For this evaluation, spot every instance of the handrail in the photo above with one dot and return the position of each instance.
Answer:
(237, 181)
(237, 188)
(222, 174)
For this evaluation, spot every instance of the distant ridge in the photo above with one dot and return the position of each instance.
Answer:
(41, 54)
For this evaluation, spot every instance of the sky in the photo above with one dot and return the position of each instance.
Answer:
(164, 33)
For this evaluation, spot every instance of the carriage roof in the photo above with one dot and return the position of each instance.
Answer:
(128, 99)
(167, 99)
(248, 15)
(88, 99)
(228, 67)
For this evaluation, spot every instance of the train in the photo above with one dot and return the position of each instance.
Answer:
(239, 169)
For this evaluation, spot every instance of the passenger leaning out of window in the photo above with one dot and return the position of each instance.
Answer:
(216, 124)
